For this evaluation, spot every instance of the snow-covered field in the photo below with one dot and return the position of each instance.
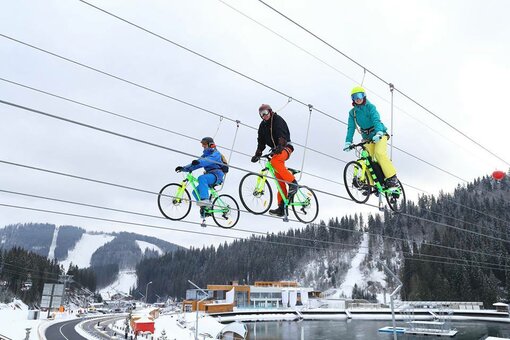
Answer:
(125, 281)
(81, 254)
(146, 245)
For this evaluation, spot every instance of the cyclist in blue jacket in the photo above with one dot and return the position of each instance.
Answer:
(211, 161)
(365, 118)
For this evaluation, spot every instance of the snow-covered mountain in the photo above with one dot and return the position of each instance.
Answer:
(112, 256)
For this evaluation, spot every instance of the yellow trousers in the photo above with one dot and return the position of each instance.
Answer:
(378, 151)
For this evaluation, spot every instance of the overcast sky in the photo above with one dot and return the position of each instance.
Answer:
(451, 56)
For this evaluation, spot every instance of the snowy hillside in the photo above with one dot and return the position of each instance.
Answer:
(82, 253)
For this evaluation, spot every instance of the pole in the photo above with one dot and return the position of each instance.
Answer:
(198, 304)
(391, 132)
(391, 298)
(51, 299)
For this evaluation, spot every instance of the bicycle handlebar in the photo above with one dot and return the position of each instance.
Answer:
(352, 146)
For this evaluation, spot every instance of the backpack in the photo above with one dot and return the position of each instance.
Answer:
(224, 166)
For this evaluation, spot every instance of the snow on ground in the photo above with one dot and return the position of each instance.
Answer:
(354, 274)
(83, 250)
(126, 280)
(146, 245)
(14, 321)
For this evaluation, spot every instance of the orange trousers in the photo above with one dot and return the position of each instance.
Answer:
(281, 172)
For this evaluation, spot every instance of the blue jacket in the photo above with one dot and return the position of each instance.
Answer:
(366, 117)
(210, 161)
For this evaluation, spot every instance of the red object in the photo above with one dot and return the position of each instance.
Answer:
(498, 175)
(144, 325)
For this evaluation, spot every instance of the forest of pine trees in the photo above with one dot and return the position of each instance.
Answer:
(408, 243)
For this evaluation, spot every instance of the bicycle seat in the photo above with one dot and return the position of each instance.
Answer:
(293, 171)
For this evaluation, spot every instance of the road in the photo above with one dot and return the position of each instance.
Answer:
(65, 330)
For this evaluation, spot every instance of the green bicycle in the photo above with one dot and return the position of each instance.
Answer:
(256, 195)
(174, 202)
(364, 177)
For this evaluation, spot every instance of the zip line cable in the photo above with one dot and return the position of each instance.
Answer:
(204, 233)
(230, 149)
(235, 167)
(253, 231)
(240, 73)
(468, 152)
(193, 138)
(201, 108)
(386, 82)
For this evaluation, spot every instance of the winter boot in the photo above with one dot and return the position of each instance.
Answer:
(392, 182)
(278, 211)
(293, 188)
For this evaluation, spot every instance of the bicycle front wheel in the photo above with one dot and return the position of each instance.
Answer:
(225, 211)
(174, 202)
(255, 193)
(305, 205)
(356, 182)
(397, 198)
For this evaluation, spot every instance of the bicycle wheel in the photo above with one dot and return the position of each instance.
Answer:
(174, 202)
(255, 197)
(397, 199)
(225, 211)
(305, 205)
(356, 183)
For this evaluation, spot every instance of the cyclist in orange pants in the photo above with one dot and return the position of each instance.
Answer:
(274, 132)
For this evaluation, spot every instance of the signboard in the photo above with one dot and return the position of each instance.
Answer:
(58, 292)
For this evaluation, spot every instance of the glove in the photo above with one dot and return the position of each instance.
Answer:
(179, 169)
(195, 162)
(347, 146)
(377, 136)
(256, 157)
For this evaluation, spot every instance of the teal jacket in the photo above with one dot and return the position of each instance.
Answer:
(366, 117)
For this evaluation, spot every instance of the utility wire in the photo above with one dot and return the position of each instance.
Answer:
(231, 149)
(249, 230)
(386, 82)
(194, 232)
(270, 87)
(235, 167)
(196, 106)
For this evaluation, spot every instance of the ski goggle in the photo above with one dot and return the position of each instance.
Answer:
(263, 113)
(359, 95)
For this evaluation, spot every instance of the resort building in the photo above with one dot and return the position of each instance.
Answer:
(263, 294)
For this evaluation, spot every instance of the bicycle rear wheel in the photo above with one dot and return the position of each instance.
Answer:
(356, 183)
(225, 211)
(256, 195)
(397, 199)
(174, 202)
(305, 205)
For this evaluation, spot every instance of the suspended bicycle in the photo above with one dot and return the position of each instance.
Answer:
(257, 196)
(174, 202)
(365, 177)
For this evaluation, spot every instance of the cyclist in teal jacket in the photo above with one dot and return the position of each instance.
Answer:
(365, 118)
(211, 161)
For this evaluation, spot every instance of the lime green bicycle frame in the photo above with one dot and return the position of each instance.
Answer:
(193, 181)
(366, 164)
(261, 181)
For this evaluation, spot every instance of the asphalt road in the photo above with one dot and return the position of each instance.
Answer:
(65, 330)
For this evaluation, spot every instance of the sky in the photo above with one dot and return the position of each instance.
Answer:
(450, 56)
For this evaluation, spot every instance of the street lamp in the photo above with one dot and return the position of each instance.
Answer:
(147, 290)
